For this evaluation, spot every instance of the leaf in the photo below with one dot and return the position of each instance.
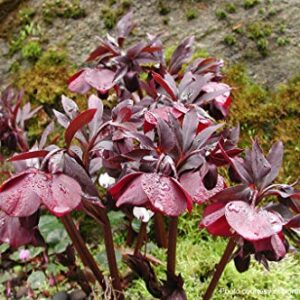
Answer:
(165, 85)
(76, 124)
(69, 106)
(274, 158)
(95, 102)
(124, 27)
(260, 166)
(37, 280)
(29, 155)
(252, 223)
(181, 55)
(189, 127)
(205, 135)
(165, 136)
(45, 134)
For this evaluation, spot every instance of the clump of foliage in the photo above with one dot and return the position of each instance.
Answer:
(230, 8)
(32, 51)
(63, 9)
(230, 40)
(250, 3)
(191, 14)
(158, 153)
(221, 14)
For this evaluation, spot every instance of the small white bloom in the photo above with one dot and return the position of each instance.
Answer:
(142, 214)
(106, 181)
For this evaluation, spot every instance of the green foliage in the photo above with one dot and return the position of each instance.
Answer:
(262, 46)
(54, 234)
(191, 14)
(250, 3)
(32, 51)
(221, 14)
(31, 30)
(68, 9)
(230, 8)
(230, 40)
(282, 41)
(26, 14)
(258, 30)
(271, 115)
(37, 280)
(110, 15)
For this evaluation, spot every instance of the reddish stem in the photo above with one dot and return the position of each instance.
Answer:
(171, 263)
(219, 269)
(84, 253)
(160, 232)
(140, 238)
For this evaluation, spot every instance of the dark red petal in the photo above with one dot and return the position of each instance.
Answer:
(78, 84)
(133, 193)
(65, 195)
(117, 189)
(192, 183)
(165, 194)
(214, 220)
(13, 233)
(251, 223)
(100, 79)
(18, 195)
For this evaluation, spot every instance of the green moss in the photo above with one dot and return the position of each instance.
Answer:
(221, 14)
(269, 115)
(191, 14)
(126, 4)
(110, 15)
(32, 51)
(230, 8)
(262, 46)
(258, 30)
(250, 3)
(25, 15)
(282, 41)
(230, 40)
(200, 53)
(68, 9)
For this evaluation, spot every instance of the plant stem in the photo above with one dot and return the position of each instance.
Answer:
(140, 238)
(160, 232)
(219, 269)
(171, 263)
(111, 256)
(84, 253)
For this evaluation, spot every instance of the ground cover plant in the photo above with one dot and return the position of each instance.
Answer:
(160, 150)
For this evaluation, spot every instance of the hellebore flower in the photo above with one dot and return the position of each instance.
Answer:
(157, 192)
(84, 80)
(106, 181)
(142, 214)
(24, 254)
(193, 183)
(22, 194)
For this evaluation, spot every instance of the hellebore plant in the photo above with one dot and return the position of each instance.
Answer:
(157, 152)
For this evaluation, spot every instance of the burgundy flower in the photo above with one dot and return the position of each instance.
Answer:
(159, 193)
(19, 231)
(84, 80)
(22, 194)
(261, 227)
(193, 183)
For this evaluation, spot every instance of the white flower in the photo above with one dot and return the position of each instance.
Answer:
(106, 181)
(142, 214)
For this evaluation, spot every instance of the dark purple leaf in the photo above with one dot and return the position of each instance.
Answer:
(124, 27)
(167, 85)
(166, 136)
(189, 128)
(100, 79)
(76, 124)
(29, 155)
